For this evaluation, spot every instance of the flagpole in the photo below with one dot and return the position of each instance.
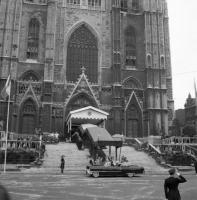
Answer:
(6, 134)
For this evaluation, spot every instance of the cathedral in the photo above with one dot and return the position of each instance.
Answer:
(63, 55)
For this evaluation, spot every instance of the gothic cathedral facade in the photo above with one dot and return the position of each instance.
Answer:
(66, 54)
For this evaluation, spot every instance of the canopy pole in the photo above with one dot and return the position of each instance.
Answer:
(116, 155)
(6, 133)
(110, 151)
(120, 154)
(70, 128)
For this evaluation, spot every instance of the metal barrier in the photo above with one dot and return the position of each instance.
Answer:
(21, 144)
(180, 140)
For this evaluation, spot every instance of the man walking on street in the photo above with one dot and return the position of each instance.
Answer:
(4, 193)
(62, 163)
(171, 185)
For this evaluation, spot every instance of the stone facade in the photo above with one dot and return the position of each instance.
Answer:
(118, 50)
(190, 112)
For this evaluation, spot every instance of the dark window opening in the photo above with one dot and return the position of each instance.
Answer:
(94, 3)
(135, 5)
(124, 5)
(130, 46)
(75, 2)
(149, 61)
(33, 39)
(130, 61)
(162, 62)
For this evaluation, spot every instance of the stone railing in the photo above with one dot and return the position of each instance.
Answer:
(180, 140)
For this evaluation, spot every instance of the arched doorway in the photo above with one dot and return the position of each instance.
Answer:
(28, 117)
(133, 96)
(82, 51)
(78, 101)
(133, 121)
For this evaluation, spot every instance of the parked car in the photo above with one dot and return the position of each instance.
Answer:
(130, 170)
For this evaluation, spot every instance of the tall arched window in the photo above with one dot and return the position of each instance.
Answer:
(162, 61)
(82, 51)
(130, 46)
(149, 60)
(33, 39)
(135, 4)
(124, 5)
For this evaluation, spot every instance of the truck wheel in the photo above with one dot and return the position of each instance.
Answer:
(95, 174)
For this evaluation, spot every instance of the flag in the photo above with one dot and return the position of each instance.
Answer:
(6, 90)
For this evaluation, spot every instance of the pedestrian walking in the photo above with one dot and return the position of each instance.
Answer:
(171, 185)
(62, 164)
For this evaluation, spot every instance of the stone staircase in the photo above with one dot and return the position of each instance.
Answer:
(77, 160)
(74, 159)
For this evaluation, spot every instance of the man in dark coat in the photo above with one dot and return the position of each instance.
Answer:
(4, 193)
(62, 163)
(195, 166)
(171, 185)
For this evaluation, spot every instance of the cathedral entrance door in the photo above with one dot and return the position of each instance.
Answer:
(28, 117)
(28, 124)
(133, 122)
(132, 128)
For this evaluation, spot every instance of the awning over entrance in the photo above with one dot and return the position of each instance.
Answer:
(101, 137)
(86, 115)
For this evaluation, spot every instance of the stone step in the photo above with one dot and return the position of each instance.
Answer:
(77, 160)
(74, 159)
(137, 158)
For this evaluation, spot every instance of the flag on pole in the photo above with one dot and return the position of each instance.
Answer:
(6, 90)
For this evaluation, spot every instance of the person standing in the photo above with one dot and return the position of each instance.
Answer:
(62, 164)
(4, 195)
(195, 166)
(171, 185)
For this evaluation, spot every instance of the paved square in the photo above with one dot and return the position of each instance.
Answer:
(76, 186)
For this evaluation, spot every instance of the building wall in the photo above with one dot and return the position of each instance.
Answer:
(143, 90)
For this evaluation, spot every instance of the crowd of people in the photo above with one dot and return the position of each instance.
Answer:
(23, 142)
(108, 161)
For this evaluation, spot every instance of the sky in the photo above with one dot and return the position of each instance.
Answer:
(183, 42)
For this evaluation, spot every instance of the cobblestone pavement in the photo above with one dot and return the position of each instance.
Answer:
(75, 185)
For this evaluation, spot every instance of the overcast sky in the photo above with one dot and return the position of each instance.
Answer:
(183, 42)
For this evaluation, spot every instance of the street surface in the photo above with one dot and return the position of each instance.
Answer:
(75, 185)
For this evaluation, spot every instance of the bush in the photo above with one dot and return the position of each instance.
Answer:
(18, 156)
(189, 131)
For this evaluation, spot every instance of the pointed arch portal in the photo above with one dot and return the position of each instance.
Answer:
(79, 101)
(82, 51)
(28, 117)
(133, 121)
(133, 117)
